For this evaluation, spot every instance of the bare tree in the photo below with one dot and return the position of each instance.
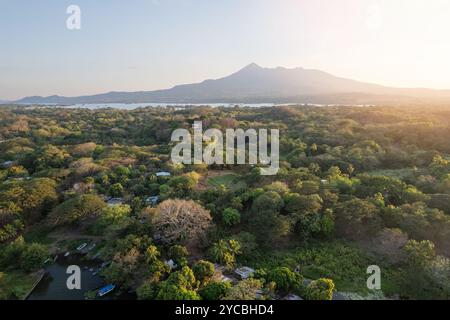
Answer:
(181, 221)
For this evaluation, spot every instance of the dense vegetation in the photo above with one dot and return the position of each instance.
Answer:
(358, 186)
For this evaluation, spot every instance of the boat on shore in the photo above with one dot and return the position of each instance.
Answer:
(81, 247)
(91, 247)
(105, 290)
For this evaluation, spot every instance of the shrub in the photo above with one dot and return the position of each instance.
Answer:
(231, 217)
(321, 289)
(215, 290)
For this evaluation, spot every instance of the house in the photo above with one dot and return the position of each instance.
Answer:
(81, 187)
(7, 164)
(157, 237)
(338, 296)
(171, 264)
(259, 294)
(219, 268)
(153, 200)
(225, 279)
(244, 272)
(292, 297)
(163, 174)
(115, 201)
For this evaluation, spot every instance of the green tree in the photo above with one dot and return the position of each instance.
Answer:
(321, 289)
(182, 186)
(33, 256)
(117, 215)
(33, 199)
(116, 274)
(179, 254)
(179, 286)
(214, 291)
(310, 187)
(422, 277)
(45, 157)
(231, 217)
(225, 252)
(172, 292)
(75, 210)
(268, 201)
(147, 291)
(203, 271)
(285, 279)
(248, 244)
(267, 223)
(116, 190)
(420, 254)
(297, 203)
(356, 219)
(248, 289)
(152, 254)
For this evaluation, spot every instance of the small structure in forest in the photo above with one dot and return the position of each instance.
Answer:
(163, 174)
(153, 201)
(171, 264)
(244, 272)
(292, 297)
(115, 201)
(7, 164)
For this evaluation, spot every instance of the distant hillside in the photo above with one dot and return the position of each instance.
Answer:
(272, 85)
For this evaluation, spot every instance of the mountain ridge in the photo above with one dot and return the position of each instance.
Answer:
(255, 84)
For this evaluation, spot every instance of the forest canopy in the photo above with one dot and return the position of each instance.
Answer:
(357, 186)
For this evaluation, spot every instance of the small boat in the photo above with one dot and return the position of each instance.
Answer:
(84, 245)
(56, 258)
(67, 254)
(105, 290)
(91, 247)
(96, 256)
(91, 270)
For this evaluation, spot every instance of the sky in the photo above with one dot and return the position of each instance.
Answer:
(155, 44)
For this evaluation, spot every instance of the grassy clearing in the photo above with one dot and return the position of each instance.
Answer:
(226, 180)
(345, 264)
(400, 174)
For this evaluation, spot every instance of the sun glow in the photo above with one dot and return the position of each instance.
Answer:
(394, 42)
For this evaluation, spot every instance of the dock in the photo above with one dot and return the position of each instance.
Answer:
(41, 275)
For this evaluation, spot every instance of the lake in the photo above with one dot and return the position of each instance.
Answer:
(53, 285)
(133, 106)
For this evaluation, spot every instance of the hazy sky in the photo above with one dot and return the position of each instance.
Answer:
(154, 44)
